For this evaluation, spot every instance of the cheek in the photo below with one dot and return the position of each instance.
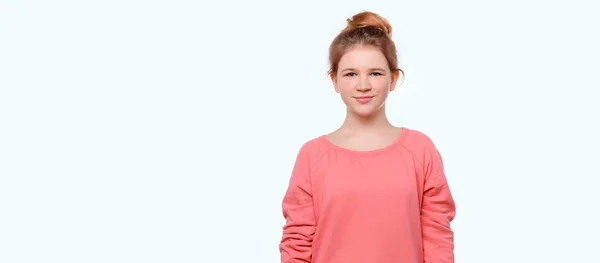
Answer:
(381, 85)
(346, 85)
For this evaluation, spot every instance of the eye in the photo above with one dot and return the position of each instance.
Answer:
(377, 74)
(350, 74)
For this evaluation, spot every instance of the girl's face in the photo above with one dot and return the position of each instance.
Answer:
(364, 80)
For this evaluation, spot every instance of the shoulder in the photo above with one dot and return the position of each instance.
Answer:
(313, 149)
(417, 138)
(420, 144)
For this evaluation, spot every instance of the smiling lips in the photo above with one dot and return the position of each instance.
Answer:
(364, 99)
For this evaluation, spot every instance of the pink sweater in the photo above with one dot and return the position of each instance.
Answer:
(390, 205)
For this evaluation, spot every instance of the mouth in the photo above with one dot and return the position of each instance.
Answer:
(364, 99)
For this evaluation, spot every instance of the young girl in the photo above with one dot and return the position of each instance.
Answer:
(368, 192)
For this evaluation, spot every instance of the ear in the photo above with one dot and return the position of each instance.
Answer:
(334, 81)
(395, 77)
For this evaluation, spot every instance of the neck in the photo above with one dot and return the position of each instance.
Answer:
(357, 123)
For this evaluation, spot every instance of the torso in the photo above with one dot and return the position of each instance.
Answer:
(358, 198)
(366, 199)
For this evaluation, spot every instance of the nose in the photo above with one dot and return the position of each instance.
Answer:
(363, 84)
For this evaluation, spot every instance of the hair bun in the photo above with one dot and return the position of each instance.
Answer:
(366, 19)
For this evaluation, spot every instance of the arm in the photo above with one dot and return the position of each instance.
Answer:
(437, 211)
(298, 231)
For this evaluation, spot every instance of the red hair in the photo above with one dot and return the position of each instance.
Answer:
(364, 29)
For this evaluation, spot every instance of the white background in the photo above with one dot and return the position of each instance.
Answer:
(165, 131)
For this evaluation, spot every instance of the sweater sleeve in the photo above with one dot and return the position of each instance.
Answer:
(437, 211)
(298, 231)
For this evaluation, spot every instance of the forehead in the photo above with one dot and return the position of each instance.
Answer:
(363, 57)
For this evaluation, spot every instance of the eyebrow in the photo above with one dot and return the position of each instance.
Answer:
(372, 69)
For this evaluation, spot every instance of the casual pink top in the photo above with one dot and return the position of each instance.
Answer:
(390, 205)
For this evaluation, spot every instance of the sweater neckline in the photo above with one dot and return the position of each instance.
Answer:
(403, 133)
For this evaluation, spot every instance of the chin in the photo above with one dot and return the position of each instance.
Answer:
(363, 112)
(366, 110)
